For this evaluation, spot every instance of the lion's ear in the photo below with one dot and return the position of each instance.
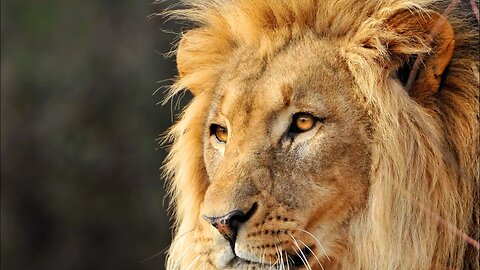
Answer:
(421, 48)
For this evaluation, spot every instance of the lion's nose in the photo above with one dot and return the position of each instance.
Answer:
(229, 224)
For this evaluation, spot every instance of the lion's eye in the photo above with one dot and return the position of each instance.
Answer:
(302, 122)
(220, 133)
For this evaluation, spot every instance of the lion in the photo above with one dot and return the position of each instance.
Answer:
(326, 135)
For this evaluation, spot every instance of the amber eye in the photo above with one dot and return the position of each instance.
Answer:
(220, 133)
(302, 122)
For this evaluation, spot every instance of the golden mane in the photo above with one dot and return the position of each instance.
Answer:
(424, 191)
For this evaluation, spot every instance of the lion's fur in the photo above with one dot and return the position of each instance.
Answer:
(424, 172)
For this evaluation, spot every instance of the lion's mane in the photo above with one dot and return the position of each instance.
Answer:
(423, 198)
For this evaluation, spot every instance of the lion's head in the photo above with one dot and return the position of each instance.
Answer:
(307, 145)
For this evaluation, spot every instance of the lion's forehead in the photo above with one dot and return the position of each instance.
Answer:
(254, 89)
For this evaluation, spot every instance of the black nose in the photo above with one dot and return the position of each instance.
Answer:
(229, 224)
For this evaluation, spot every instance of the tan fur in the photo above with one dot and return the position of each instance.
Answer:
(388, 181)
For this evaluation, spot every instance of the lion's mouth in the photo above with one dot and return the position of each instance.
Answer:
(292, 261)
(301, 258)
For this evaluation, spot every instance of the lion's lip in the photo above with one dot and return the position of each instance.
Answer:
(295, 260)
(241, 261)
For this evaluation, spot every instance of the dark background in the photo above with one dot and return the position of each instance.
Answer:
(80, 181)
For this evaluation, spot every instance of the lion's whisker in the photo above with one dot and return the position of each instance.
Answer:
(276, 261)
(273, 265)
(291, 260)
(282, 265)
(286, 260)
(163, 250)
(312, 253)
(321, 246)
(186, 233)
(301, 258)
(302, 255)
(153, 256)
(187, 251)
(193, 262)
(279, 256)
(263, 258)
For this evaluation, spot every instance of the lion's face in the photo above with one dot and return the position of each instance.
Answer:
(325, 135)
(286, 150)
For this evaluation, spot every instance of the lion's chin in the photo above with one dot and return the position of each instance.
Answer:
(292, 261)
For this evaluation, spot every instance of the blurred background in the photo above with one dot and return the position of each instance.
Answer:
(81, 186)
